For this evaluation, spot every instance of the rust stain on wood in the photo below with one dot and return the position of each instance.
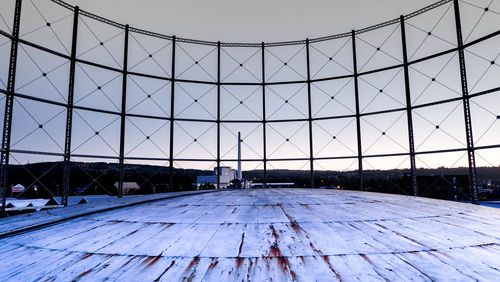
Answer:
(239, 262)
(84, 274)
(274, 250)
(250, 265)
(417, 269)
(366, 258)
(192, 264)
(294, 275)
(165, 271)
(296, 227)
(116, 221)
(283, 262)
(150, 261)
(133, 232)
(441, 253)
(86, 256)
(406, 237)
(327, 260)
(213, 264)
(167, 225)
(274, 233)
(306, 206)
(129, 261)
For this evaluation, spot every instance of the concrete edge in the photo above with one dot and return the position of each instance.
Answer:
(54, 219)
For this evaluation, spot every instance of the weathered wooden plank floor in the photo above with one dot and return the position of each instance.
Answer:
(258, 235)
(21, 222)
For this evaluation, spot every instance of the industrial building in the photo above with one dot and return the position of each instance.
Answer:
(227, 174)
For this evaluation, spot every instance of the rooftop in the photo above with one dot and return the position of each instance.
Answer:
(283, 234)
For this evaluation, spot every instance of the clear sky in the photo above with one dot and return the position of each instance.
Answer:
(40, 126)
(251, 20)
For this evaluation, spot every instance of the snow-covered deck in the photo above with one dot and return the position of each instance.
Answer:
(281, 234)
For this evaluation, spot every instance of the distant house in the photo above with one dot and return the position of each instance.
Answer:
(18, 188)
(128, 187)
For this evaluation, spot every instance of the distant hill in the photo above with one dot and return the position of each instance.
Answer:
(100, 177)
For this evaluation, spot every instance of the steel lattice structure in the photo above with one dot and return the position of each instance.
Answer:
(399, 61)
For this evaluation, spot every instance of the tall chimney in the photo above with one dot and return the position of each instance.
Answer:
(239, 157)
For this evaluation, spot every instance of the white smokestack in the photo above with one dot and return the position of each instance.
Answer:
(239, 157)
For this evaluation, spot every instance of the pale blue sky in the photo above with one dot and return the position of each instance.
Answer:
(256, 20)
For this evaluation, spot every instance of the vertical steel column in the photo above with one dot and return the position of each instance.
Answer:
(264, 122)
(358, 116)
(413, 167)
(123, 114)
(465, 98)
(309, 106)
(9, 102)
(172, 113)
(69, 114)
(218, 115)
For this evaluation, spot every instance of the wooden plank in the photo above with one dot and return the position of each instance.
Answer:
(285, 234)
(25, 221)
